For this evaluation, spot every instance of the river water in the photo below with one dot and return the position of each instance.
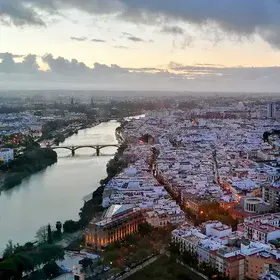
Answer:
(56, 194)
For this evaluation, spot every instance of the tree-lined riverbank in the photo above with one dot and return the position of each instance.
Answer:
(32, 161)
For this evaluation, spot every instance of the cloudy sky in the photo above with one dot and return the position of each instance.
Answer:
(190, 45)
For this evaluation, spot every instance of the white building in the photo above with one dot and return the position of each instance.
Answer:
(217, 229)
(253, 248)
(6, 155)
(187, 237)
(271, 111)
(262, 228)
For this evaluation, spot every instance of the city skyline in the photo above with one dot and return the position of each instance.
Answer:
(144, 45)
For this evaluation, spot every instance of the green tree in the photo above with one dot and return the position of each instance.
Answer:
(266, 135)
(174, 249)
(86, 262)
(58, 227)
(25, 262)
(9, 250)
(145, 229)
(111, 257)
(14, 266)
(190, 258)
(51, 269)
(50, 241)
(70, 226)
(132, 239)
(207, 269)
(50, 252)
(142, 254)
(8, 268)
(27, 247)
(42, 234)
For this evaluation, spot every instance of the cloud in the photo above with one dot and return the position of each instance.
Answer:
(233, 75)
(207, 64)
(145, 70)
(187, 42)
(174, 30)
(135, 39)
(126, 34)
(231, 17)
(71, 73)
(121, 47)
(98, 41)
(28, 65)
(83, 39)
(79, 39)
(64, 66)
(244, 18)
(8, 64)
(239, 16)
(18, 13)
(3, 55)
(108, 71)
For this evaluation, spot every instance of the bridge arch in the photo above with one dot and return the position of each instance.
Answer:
(107, 146)
(73, 148)
(58, 147)
(82, 147)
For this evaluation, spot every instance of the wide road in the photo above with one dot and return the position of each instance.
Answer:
(56, 193)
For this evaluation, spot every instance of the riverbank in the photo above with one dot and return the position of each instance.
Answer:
(93, 207)
(31, 162)
(57, 132)
(119, 134)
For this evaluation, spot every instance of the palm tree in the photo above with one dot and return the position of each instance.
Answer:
(9, 250)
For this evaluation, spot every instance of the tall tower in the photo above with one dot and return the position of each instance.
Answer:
(271, 111)
(72, 101)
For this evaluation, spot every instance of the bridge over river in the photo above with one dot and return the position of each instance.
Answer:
(73, 148)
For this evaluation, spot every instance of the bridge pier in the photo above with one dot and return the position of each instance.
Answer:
(73, 152)
(98, 151)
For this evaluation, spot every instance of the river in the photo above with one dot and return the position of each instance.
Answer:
(56, 194)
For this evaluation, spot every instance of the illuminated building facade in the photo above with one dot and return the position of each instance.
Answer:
(116, 223)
